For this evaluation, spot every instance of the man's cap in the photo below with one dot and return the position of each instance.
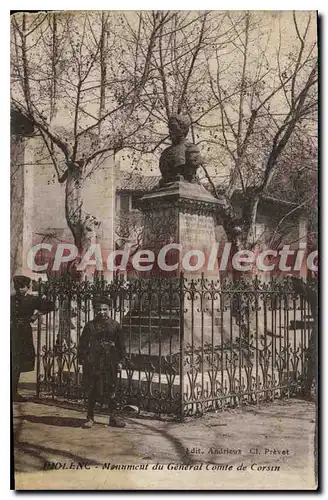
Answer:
(20, 281)
(101, 300)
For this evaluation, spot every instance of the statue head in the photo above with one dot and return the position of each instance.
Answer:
(178, 127)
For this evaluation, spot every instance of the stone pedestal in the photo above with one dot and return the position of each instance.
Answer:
(180, 212)
(184, 214)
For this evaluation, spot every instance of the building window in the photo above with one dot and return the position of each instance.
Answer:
(125, 203)
(134, 202)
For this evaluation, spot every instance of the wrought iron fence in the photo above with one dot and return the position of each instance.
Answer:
(193, 345)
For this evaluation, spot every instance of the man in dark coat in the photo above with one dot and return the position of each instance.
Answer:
(24, 310)
(101, 350)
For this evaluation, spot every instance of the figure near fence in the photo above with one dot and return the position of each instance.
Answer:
(101, 351)
(180, 160)
(25, 309)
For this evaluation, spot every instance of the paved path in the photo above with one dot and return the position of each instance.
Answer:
(49, 433)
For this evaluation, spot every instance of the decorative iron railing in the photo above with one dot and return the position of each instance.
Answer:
(193, 345)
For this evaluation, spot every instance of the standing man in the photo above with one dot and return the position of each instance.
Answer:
(25, 309)
(101, 350)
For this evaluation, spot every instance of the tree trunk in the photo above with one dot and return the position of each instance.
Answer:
(241, 238)
(83, 225)
(250, 221)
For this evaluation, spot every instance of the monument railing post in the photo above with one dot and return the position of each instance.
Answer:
(182, 346)
(38, 346)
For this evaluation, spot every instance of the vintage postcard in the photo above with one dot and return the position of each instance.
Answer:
(164, 263)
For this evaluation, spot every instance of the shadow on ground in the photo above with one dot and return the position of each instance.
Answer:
(53, 420)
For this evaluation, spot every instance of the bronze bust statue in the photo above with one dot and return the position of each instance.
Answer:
(173, 163)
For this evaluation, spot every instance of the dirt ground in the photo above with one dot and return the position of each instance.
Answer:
(225, 450)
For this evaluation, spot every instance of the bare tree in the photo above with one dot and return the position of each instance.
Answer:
(271, 104)
(129, 230)
(82, 99)
(179, 71)
(248, 105)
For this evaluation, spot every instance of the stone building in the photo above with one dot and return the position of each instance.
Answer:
(38, 200)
